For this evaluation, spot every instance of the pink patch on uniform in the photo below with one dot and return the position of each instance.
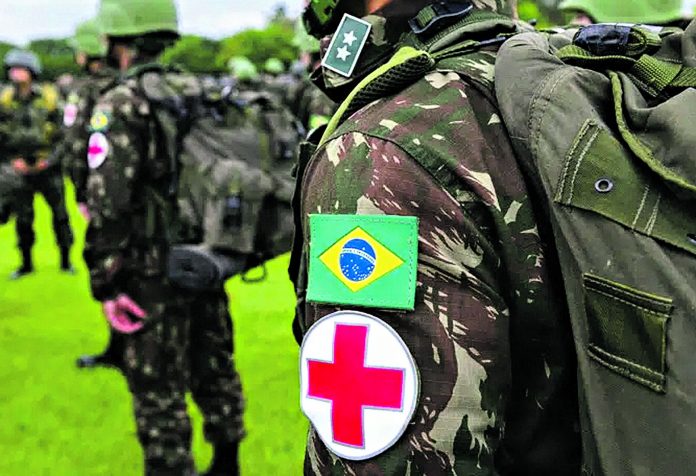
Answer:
(70, 115)
(98, 150)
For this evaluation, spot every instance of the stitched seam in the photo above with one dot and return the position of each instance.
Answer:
(640, 208)
(623, 360)
(569, 159)
(657, 386)
(542, 109)
(580, 161)
(628, 303)
(653, 217)
(663, 302)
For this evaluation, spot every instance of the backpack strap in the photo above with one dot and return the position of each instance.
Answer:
(628, 48)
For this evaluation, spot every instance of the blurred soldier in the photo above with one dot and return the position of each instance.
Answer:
(310, 105)
(431, 319)
(29, 129)
(176, 341)
(653, 12)
(245, 73)
(90, 53)
(10, 183)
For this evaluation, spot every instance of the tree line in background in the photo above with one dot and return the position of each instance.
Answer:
(207, 56)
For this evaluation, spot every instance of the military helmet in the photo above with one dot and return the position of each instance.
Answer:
(321, 17)
(137, 17)
(242, 68)
(655, 12)
(24, 59)
(87, 40)
(274, 66)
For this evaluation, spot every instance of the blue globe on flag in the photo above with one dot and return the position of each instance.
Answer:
(357, 260)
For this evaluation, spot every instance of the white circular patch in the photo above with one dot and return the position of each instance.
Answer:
(98, 150)
(70, 115)
(359, 384)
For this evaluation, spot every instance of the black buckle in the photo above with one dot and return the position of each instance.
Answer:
(441, 10)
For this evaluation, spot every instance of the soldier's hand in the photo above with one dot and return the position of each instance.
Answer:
(124, 315)
(42, 165)
(20, 166)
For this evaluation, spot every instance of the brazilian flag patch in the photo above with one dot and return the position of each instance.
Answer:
(363, 260)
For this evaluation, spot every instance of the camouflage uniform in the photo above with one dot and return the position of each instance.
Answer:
(186, 344)
(29, 128)
(489, 332)
(74, 147)
(310, 105)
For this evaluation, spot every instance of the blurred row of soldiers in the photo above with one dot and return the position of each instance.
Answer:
(43, 125)
(109, 136)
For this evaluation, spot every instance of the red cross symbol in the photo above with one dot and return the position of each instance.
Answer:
(95, 149)
(351, 386)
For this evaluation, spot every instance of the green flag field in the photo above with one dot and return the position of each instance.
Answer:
(57, 420)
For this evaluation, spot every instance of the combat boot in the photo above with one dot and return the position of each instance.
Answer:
(26, 268)
(225, 460)
(65, 265)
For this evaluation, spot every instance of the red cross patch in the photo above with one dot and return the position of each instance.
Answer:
(70, 115)
(359, 384)
(97, 150)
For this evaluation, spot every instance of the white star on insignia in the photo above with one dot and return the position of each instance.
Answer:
(343, 53)
(349, 38)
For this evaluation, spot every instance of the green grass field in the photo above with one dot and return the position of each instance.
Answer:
(58, 420)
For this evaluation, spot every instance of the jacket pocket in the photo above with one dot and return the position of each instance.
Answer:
(628, 330)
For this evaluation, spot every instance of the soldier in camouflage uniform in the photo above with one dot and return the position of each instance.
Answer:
(90, 52)
(419, 138)
(310, 105)
(29, 129)
(175, 341)
(90, 55)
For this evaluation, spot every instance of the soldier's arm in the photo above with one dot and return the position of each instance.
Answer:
(459, 330)
(116, 153)
(494, 354)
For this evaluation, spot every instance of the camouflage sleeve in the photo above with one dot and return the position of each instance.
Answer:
(76, 116)
(118, 146)
(459, 331)
(494, 354)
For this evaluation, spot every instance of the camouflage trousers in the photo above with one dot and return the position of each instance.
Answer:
(185, 347)
(51, 185)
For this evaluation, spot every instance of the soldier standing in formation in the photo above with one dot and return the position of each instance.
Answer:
(176, 341)
(29, 128)
(423, 267)
(90, 55)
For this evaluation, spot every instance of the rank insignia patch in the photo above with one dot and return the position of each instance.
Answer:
(363, 260)
(346, 45)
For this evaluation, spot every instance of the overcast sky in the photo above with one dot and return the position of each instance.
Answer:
(24, 20)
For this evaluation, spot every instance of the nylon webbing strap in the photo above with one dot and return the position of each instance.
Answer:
(652, 72)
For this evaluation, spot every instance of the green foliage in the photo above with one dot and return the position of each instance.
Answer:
(194, 53)
(60, 421)
(544, 12)
(56, 57)
(275, 41)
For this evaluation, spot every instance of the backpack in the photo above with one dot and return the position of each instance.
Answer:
(602, 120)
(228, 201)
